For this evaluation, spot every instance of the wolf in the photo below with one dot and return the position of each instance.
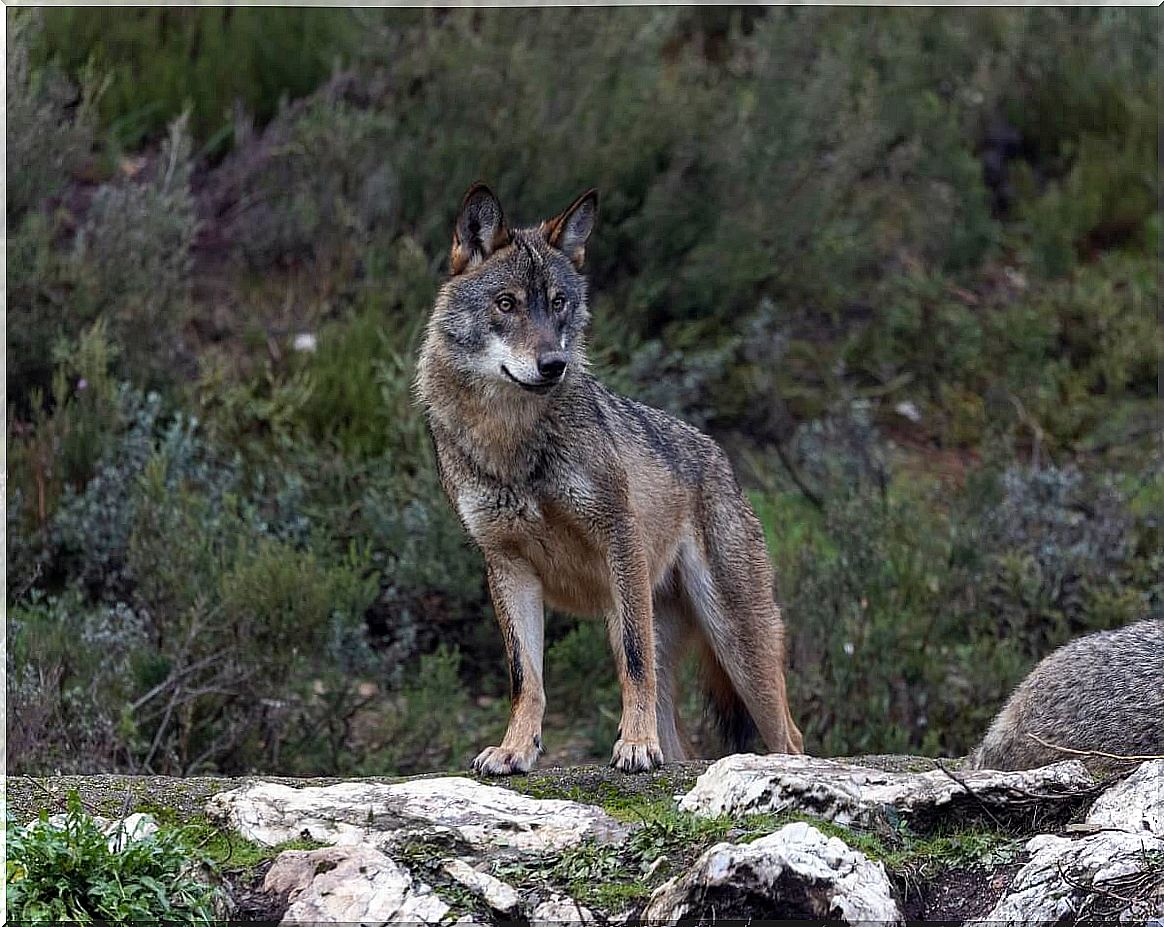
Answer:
(1101, 696)
(590, 502)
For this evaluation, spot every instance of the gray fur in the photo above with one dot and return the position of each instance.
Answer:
(1102, 693)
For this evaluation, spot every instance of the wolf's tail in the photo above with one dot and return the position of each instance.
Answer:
(733, 722)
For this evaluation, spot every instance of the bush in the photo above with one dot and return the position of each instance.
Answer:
(71, 670)
(49, 130)
(1060, 546)
(425, 727)
(129, 265)
(319, 184)
(160, 62)
(932, 602)
(134, 254)
(232, 616)
(76, 873)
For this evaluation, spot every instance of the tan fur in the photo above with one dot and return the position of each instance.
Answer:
(589, 502)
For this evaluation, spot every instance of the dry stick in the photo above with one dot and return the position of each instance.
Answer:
(969, 791)
(175, 677)
(811, 496)
(1097, 888)
(165, 722)
(1099, 753)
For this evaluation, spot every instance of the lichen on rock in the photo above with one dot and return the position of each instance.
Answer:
(858, 795)
(795, 872)
(479, 817)
(350, 885)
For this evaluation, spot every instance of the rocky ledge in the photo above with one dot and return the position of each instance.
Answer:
(885, 839)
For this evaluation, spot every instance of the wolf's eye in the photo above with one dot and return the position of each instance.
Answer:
(558, 302)
(506, 303)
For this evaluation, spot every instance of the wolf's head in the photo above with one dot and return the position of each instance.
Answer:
(513, 311)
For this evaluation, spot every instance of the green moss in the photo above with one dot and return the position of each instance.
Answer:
(225, 850)
(667, 841)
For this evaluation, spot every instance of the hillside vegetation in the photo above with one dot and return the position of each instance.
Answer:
(901, 263)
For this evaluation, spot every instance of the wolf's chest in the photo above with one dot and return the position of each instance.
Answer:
(553, 534)
(489, 512)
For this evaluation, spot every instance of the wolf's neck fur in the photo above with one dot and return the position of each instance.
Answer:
(497, 426)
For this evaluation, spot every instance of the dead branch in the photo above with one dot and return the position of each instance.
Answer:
(1097, 753)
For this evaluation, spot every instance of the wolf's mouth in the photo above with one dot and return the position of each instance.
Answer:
(543, 386)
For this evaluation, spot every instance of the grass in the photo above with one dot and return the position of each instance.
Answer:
(223, 849)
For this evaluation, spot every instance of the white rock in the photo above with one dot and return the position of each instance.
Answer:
(121, 833)
(137, 826)
(501, 897)
(795, 872)
(1136, 804)
(849, 794)
(305, 341)
(909, 410)
(350, 885)
(558, 910)
(1065, 878)
(485, 817)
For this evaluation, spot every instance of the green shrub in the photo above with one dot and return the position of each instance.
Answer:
(319, 184)
(932, 602)
(48, 135)
(76, 873)
(425, 726)
(279, 603)
(71, 669)
(134, 256)
(160, 62)
(128, 264)
(360, 397)
(55, 455)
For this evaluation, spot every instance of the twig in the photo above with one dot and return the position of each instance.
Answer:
(969, 791)
(1099, 753)
(795, 475)
(174, 677)
(1098, 889)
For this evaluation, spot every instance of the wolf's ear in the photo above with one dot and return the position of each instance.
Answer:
(569, 231)
(480, 229)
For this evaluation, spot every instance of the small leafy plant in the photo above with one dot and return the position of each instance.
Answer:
(77, 873)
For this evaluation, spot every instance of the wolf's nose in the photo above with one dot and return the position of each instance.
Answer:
(552, 366)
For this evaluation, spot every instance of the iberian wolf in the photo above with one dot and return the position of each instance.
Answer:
(590, 502)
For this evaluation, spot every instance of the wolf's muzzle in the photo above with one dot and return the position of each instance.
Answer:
(536, 386)
(552, 365)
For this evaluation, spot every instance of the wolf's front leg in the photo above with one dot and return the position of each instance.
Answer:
(632, 638)
(517, 600)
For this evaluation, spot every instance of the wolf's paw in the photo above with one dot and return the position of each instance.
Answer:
(499, 761)
(636, 756)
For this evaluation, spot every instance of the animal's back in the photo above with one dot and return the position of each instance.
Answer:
(1103, 693)
(637, 429)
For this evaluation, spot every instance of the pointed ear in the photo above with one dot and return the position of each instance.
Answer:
(569, 231)
(480, 229)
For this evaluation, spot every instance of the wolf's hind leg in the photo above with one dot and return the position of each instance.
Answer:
(517, 600)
